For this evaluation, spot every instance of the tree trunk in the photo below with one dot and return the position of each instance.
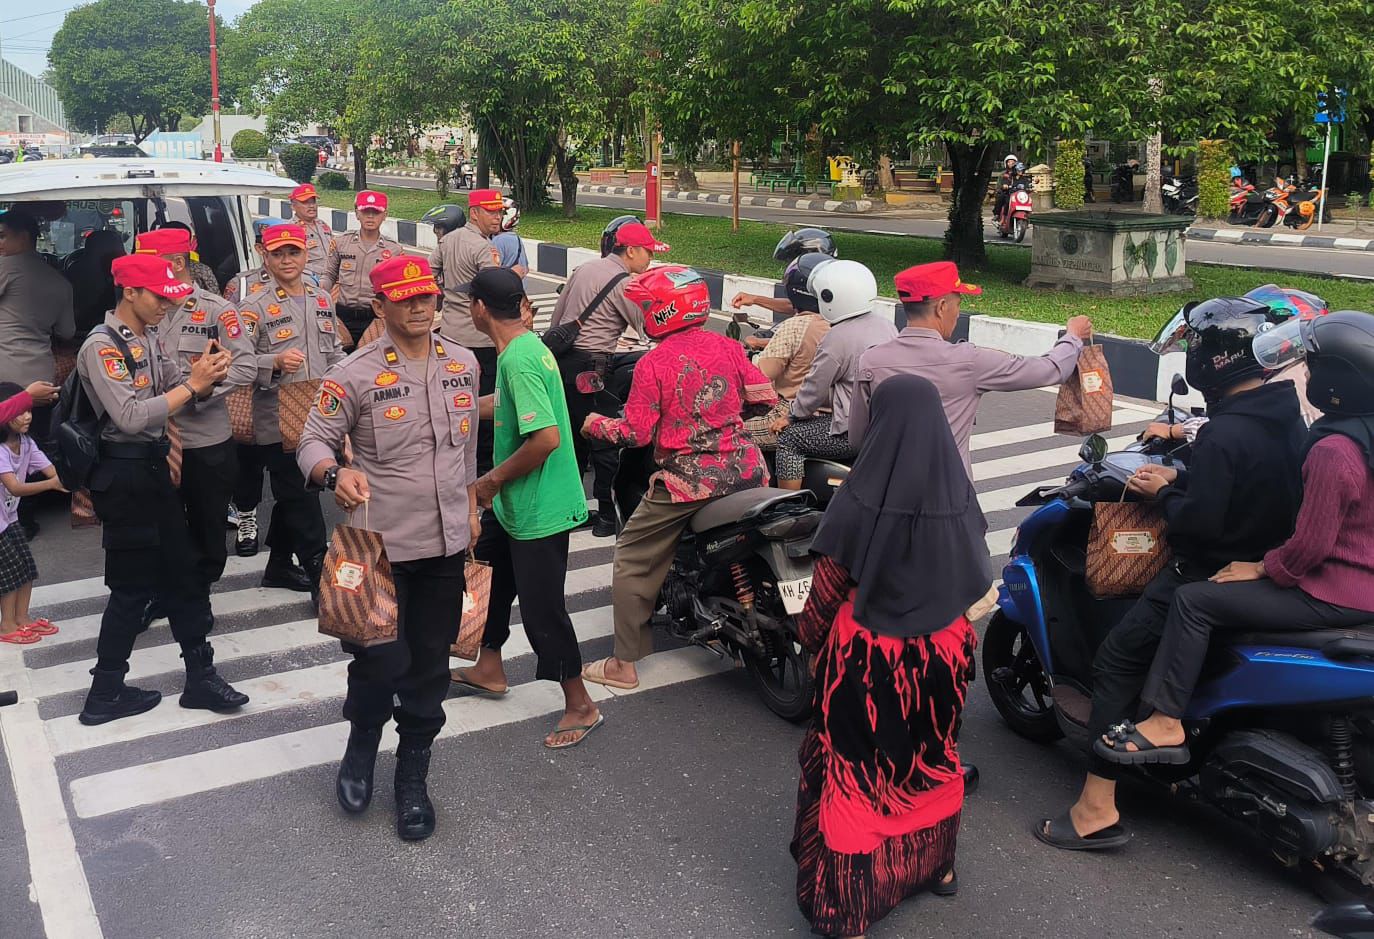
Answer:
(734, 188)
(972, 168)
(483, 169)
(567, 176)
(359, 166)
(887, 179)
(1154, 200)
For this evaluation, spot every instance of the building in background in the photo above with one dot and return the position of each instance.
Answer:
(30, 112)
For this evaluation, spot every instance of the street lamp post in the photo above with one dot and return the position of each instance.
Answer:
(214, 83)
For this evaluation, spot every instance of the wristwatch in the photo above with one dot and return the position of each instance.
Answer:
(331, 477)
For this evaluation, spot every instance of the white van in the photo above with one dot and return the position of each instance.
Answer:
(74, 199)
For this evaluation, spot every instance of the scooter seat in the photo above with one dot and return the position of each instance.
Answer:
(741, 506)
(1351, 640)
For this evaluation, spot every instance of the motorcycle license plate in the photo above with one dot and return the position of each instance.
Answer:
(794, 594)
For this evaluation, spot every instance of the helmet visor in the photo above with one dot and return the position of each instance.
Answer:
(1173, 337)
(1289, 302)
(1283, 345)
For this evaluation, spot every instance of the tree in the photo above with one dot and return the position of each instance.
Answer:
(146, 61)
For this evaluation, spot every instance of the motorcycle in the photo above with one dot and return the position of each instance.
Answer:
(464, 176)
(1304, 202)
(1012, 221)
(1246, 205)
(1280, 727)
(1180, 195)
(1123, 182)
(741, 571)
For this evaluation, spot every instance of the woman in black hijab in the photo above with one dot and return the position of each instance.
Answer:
(903, 564)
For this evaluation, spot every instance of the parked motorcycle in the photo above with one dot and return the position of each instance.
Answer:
(1179, 195)
(1123, 181)
(1013, 220)
(741, 572)
(1246, 205)
(1281, 726)
(1304, 202)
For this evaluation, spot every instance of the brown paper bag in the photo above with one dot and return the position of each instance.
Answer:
(294, 402)
(357, 591)
(476, 599)
(1084, 404)
(174, 452)
(83, 510)
(1126, 548)
(240, 404)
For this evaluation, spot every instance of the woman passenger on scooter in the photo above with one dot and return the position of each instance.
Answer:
(1320, 578)
(1237, 499)
(901, 573)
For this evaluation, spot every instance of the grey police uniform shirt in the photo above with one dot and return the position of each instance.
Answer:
(205, 421)
(320, 246)
(413, 426)
(35, 307)
(132, 399)
(830, 383)
(604, 326)
(247, 285)
(351, 265)
(455, 262)
(283, 323)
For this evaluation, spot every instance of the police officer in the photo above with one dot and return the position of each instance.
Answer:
(255, 281)
(320, 243)
(148, 549)
(209, 463)
(296, 340)
(408, 402)
(358, 253)
(460, 255)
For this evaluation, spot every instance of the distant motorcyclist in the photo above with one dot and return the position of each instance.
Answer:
(1005, 182)
(1322, 577)
(791, 247)
(1236, 500)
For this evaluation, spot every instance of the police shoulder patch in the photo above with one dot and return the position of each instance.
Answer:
(115, 367)
(229, 319)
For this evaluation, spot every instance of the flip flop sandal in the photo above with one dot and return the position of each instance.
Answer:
(1145, 752)
(456, 676)
(41, 627)
(596, 672)
(582, 731)
(1059, 833)
(20, 637)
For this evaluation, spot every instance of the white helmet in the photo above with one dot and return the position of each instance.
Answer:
(1010, 158)
(510, 214)
(844, 289)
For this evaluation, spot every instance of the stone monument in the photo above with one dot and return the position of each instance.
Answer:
(1112, 253)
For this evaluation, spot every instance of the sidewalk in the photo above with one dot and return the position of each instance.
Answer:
(1339, 234)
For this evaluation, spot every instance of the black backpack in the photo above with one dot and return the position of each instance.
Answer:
(77, 425)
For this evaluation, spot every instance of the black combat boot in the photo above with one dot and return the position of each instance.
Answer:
(282, 572)
(354, 786)
(205, 689)
(605, 524)
(110, 699)
(414, 811)
(314, 569)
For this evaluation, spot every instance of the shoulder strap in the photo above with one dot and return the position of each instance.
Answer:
(121, 345)
(605, 292)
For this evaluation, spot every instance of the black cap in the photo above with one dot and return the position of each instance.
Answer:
(500, 288)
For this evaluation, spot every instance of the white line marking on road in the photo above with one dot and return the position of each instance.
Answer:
(1023, 434)
(230, 603)
(1000, 500)
(151, 783)
(881, 231)
(1036, 460)
(999, 542)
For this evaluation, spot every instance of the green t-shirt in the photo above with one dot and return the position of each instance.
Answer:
(529, 397)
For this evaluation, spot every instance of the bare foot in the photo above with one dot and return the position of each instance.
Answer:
(580, 718)
(1088, 820)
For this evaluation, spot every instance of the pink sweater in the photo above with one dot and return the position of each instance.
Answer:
(1330, 555)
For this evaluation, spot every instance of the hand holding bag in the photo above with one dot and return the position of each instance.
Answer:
(83, 510)
(1084, 403)
(357, 590)
(560, 338)
(1126, 548)
(476, 600)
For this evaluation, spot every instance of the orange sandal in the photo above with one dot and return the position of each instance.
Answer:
(20, 637)
(41, 627)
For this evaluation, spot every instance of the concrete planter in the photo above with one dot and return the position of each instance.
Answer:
(1110, 253)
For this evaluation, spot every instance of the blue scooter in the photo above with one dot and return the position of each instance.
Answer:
(1281, 726)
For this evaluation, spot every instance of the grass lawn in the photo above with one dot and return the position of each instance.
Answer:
(708, 243)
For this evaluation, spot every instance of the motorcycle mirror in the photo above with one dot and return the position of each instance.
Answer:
(1094, 449)
(1178, 385)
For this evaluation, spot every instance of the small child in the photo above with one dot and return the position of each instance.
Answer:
(19, 457)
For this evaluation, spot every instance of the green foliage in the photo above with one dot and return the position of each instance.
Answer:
(299, 160)
(437, 163)
(333, 181)
(1068, 173)
(249, 144)
(1213, 178)
(634, 151)
(146, 61)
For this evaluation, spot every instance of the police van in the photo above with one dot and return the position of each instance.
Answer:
(89, 211)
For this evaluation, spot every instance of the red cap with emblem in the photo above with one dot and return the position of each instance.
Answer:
(403, 277)
(929, 281)
(370, 200)
(151, 273)
(163, 241)
(281, 236)
(489, 199)
(304, 191)
(637, 235)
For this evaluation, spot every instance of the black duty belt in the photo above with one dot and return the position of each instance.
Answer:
(151, 450)
(348, 308)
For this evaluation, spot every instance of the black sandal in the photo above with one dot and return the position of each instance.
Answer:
(1059, 833)
(1145, 751)
(946, 888)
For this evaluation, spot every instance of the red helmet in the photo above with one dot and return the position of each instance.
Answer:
(672, 297)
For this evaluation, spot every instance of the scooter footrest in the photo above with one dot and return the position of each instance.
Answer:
(1074, 704)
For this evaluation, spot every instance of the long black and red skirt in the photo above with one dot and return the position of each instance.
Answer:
(881, 787)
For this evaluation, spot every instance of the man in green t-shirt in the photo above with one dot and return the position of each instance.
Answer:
(536, 498)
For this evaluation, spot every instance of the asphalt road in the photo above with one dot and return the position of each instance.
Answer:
(1287, 258)
(672, 821)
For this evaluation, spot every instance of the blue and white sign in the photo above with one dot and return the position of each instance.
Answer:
(174, 146)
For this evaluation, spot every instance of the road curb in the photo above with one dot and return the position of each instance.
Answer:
(847, 206)
(1252, 237)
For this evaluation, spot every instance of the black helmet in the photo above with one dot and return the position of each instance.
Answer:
(448, 216)
(1217, 336)
(804, 241)
(1339, 348)
(608, 233)
(794, 282)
